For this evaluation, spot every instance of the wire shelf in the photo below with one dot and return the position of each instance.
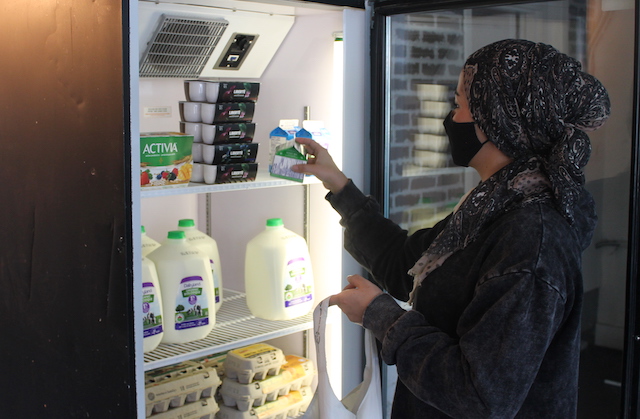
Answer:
(235, 327)
(263, 180)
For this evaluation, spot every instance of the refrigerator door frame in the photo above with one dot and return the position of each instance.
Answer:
(379, 186)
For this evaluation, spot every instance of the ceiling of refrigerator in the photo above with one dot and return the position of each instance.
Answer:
(193, 41)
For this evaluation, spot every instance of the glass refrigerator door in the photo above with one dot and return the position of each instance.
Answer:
(420, 50)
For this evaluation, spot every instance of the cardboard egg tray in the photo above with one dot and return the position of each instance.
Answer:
(201, 409)
(173, 387)
(253, 362)
(290, 404)
(297, 372)
(213, 361)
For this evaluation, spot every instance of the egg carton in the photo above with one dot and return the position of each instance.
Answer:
(291, 404)
(297, 372)
(174, 386)
(213, 361)
(253, 362)
(201, 409)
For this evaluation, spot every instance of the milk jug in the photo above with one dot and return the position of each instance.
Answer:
(148, 244)
(151, 306)
(184, 273)
(278, 275)
(209, 246)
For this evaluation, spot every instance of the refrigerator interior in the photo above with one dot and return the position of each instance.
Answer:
(304, 77)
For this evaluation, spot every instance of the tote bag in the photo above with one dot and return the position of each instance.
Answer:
(365, 401)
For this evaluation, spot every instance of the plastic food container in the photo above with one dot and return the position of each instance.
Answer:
(166, 159)
(241, 132)
(227, 173)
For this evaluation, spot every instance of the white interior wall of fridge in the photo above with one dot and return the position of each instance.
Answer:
(300, 75)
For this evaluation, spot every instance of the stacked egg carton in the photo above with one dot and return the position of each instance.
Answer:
(430, 144)
(182, 390)
(219, 116)
(261, 382)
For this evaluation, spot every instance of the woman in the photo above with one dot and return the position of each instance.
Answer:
(496, 287)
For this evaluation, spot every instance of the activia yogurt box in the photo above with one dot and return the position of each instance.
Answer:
(165, 159)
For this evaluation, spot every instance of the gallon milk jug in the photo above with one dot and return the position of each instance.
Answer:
(151, 306)
(148, 244)
(278, 276)
(184, 273)
(210, 248)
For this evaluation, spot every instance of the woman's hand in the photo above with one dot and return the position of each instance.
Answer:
(321, 165)
(355, 297)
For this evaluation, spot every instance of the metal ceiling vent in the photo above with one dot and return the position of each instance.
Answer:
(181, 46)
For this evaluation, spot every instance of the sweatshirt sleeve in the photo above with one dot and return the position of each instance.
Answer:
(487, 370)
(384, 249)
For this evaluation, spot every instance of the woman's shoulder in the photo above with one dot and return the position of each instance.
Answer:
(536, 240)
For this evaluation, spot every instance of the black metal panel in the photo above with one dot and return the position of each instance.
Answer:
(65, 270)
(349, 3)
(391, 7)
(379, 168)
(631, 385)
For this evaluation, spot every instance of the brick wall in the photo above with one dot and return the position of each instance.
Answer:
(425, 49)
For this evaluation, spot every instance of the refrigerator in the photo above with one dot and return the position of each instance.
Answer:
(74, 103)
(310, 62)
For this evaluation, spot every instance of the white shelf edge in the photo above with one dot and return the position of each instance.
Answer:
(235, 327)
(263, 180)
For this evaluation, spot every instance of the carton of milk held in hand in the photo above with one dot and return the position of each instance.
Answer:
(288, 154)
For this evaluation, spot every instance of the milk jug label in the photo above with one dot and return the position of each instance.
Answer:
(296, 290)
(192, 309)
(216, 280)
(152, 320)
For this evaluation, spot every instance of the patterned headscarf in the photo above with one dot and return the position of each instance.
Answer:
(532, 100)
(534, 103)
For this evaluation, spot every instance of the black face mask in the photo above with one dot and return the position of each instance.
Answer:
(463, 140)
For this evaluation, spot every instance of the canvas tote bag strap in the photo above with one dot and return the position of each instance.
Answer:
(325, 400)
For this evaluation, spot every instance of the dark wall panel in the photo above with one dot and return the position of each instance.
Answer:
(65, 308)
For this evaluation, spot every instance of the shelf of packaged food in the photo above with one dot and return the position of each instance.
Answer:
(263, 180)
(235, 327)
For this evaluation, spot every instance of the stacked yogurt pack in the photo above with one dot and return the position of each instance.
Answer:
(259, 381)
(430, 144)
(219, 115)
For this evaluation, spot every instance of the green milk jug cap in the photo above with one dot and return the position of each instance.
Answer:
(187, 222)
(176, 235)
(142, 229)
(274, 222)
